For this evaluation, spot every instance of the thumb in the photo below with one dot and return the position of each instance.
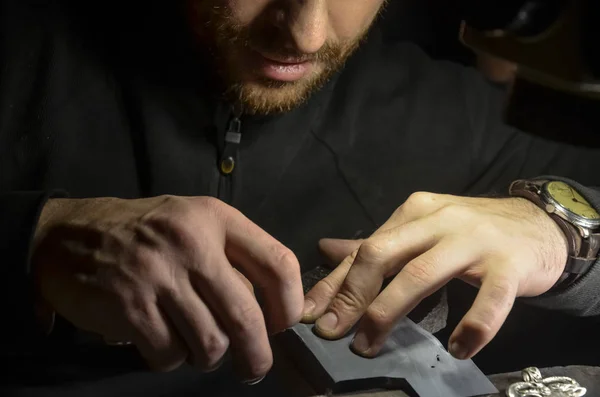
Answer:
(334, 251)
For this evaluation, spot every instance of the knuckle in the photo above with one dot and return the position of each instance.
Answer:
(172, 227)
(420, 272)
(246, 322)
(136, 309)
(244, 280)
(349, 299)
(326, 287)
(210, 202)
(175, 201)
(215, 347)
(173, 205)
(213, 206)
(159, 347)
(420, 200)
(287, 258)
(173, 222)
(286, 267)
(369, 251)
(379, 317)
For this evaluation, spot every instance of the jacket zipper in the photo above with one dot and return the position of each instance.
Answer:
(229, 157)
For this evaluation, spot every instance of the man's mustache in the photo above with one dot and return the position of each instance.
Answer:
(283, 53)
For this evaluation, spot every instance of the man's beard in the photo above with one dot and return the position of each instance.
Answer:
(231, 44)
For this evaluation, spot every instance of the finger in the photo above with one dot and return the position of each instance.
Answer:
(318, 299)
(336, 250)
(489, 311)
(157, 341)
(416, 206)
(207, 343)
(246, 282)
(270, 266)
(420, 278)
(378, 258)
(240, 316)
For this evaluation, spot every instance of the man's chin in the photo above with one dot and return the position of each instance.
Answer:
(264, 98)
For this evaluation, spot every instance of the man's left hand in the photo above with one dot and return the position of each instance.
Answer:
(508, 248)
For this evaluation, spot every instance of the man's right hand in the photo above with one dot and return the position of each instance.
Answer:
(162, 273)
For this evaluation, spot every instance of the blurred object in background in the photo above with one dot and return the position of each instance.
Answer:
(435, 26)
(495, 69)
(555, 91)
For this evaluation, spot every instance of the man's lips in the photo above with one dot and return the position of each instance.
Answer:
(285, 69)
(285, 60)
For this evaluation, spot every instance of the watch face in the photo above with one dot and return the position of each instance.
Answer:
(571, 200)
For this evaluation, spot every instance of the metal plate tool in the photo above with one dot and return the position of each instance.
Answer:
(412, 361)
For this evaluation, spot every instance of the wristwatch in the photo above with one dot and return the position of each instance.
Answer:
(576, 217)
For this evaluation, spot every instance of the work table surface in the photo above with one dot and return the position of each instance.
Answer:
(588, 377)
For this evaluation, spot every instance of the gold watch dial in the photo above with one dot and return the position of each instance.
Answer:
(571, 200)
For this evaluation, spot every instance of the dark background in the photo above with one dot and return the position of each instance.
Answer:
(433, 24)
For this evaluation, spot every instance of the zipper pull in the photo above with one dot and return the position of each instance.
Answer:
(234, 132)
(233, 137)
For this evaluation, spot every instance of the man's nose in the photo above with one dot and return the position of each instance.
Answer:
(308, 24)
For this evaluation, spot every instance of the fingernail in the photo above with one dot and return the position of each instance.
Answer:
(360, 344)
(281, 332)
(255, 381)
(309, 307)
(216, 366)
(458, 350)
(328, 322)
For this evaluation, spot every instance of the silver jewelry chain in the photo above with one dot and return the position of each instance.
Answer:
(534, 385)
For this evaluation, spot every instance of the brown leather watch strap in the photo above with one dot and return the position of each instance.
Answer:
(583, 251)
